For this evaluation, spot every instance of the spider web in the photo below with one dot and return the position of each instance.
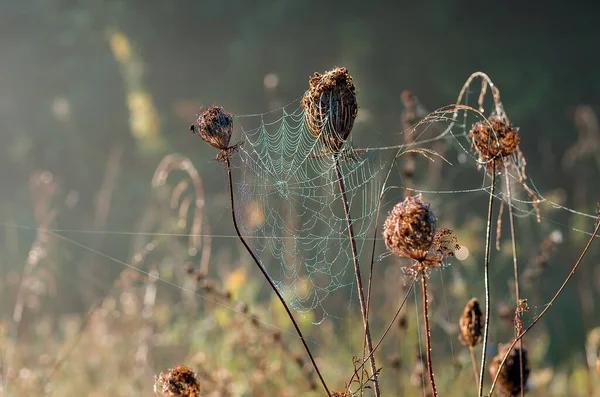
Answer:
(291, 208)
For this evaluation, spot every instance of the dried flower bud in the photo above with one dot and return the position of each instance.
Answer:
(178, 381)
(330, 107)
(409, 229)
(509, 380)
(493, 140)
(471, 323)
(214, 126)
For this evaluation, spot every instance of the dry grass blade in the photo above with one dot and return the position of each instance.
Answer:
(537, 318)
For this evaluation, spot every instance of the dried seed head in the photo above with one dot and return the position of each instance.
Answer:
(330, 107)
(509, 380)
(471, 324)
(409, 229)
(178, 381)
(214, 126)
(494, 140)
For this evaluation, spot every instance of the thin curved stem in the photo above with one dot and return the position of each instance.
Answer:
(474, 363)
(359, 285)
(270, 281)
(410, 288)
(535, 320)
(515, 267)
(486, 276)
(427, 333)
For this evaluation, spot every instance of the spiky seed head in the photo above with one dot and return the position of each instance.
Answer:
(409, 229)
(509, 380)
(330, 107)
(471, 323)
(214, 126)
(493, 140)
(178, 381)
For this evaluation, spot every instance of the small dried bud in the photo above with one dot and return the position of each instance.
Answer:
(178, 381)
(509, 380)
(409, 229)
(493, 140)
(330, 107)
(471, 323)
(214, 126)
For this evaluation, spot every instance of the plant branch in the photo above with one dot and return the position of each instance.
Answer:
(427, 333)
(486, 263)
(269, 280)
(359, 285)
(535, 320)
(516, 268)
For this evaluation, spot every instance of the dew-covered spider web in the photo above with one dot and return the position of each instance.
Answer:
(291, 208)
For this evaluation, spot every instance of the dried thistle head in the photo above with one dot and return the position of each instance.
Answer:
(471, 323)
(409, 229)
(494, 139)
(178, 381)
(330, 107)
(509, 380)
(410, 232)
(214, 126)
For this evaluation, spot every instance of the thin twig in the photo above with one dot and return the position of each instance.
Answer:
(359, 285)
(427, 333)
(474, 363)
(515, 266)
(269, 280)
(486, 263)
(535, 320)
(410, 288)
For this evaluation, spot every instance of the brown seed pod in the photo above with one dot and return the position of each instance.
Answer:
(471, 323)
(409, 229)
(178, 381)
(509, 381)
(494, 140)
(214, 126)
(330, 107)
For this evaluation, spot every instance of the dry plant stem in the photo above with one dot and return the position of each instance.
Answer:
(515, 265)
(359, 285)
(535, 320)
(410, 288)
(427, 333)
(474, 363)
(486, 276)
(273, 287)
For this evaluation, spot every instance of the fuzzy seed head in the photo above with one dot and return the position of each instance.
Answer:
(471, 324)
(178, 381)
(509, 380)
(409, 229)
(330, 107)
(493, 140)
(214, 126)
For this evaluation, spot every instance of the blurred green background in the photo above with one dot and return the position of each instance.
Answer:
(93, 94)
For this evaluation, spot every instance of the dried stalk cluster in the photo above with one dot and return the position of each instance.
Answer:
(410, 232)
(330, 107)
(509, 380)
(471, 324)
(409, 229)
(494, 140)
(214, 126)
(178, 381)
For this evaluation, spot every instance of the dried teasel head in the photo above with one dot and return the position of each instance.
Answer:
(214, 126)
(509, 380)
(178, 381)
(409, 229)
(494, 139)
(330, 107)
(471, 323)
